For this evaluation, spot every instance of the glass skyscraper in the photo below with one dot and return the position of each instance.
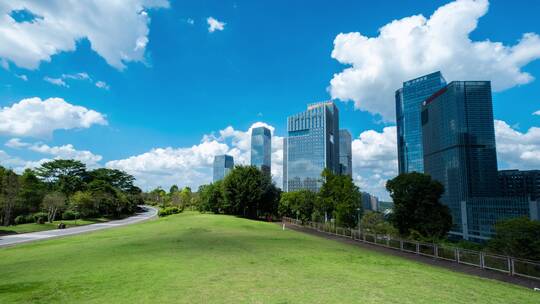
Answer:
(409, 128)
(261, 149)
(345, 152)
(312, 145)
(223, 164)
(459, 145)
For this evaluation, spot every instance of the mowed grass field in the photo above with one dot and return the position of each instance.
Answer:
(203, 258)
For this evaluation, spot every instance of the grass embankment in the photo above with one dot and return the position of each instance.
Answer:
(34, 227)
(203, 258)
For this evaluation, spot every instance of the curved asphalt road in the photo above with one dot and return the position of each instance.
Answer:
(9, 240)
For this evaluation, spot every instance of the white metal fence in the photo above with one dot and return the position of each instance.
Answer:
(506, 264)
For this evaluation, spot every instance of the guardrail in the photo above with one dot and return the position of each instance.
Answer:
(506, 264)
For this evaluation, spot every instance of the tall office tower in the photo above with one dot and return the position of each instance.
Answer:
(223, 164)
(459, 145)
(284, 164)
(409, 128)
(312, 145)
(520, 183)
(261, 149)
(345, 153)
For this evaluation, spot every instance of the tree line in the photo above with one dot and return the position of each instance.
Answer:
(65, 189)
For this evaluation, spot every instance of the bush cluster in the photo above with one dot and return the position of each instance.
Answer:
(168, 211)
(70, 215)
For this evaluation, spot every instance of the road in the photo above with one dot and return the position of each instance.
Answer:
(9, 240)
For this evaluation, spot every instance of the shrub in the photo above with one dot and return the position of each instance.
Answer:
(29, 218)
(40, 217)
(21, 219)
(168, 211)
(70, 215)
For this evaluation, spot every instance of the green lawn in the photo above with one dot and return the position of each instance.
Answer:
(33, 227)
(203, 258)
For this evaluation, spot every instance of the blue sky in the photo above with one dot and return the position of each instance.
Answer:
(173, 93)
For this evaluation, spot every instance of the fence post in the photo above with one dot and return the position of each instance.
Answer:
(456, 253)
(482, 260)
(417, 248)
(511, 266)
(387, 241)
(436, 250)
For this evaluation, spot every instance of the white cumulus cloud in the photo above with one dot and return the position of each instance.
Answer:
(67, 151)
(117, 31)
(192, 166)
(515, 149)
(537, 113)
(215, 25)
(416, 45)
(22, 77)
(40, 118)
(374, 159)
(77, 76)
(56, 81)
(102, 85)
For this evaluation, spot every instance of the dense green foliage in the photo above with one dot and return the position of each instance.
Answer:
(62, 189)
(374, 222)
(206, 258)
(211, 198)
(417, 209)
(246, 191)
(180, 199)
(298, 204)
(518, 237)
(339, 198)
(169, 211)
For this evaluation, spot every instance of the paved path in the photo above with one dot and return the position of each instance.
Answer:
(9, 240)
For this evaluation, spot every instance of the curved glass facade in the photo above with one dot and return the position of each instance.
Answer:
(261, 149)
(409, 128)
(223, 164)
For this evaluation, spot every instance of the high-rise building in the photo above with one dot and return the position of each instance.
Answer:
(345, 153)
(409, 128)
(261, 149)
(459, 145)
(312, 145)
(520, 183)
(284, 164)
(223, 164)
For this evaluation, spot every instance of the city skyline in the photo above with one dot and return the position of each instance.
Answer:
(189, 112)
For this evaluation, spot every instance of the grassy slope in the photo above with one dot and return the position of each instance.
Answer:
(193, 258)
(33, 227)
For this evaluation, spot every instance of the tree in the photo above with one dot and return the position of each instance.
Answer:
(374, 222)
(325, 200)
(417, 207)
(340, 198)
(348, 201)
(173, 189)
(116, 178)
(518, 237)
(9, 196)
(298, 204)
(185, 197)
(211, 198)
(84, 203)
(65, 175)
(249, 192)
(53, 202)
(31, 191)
